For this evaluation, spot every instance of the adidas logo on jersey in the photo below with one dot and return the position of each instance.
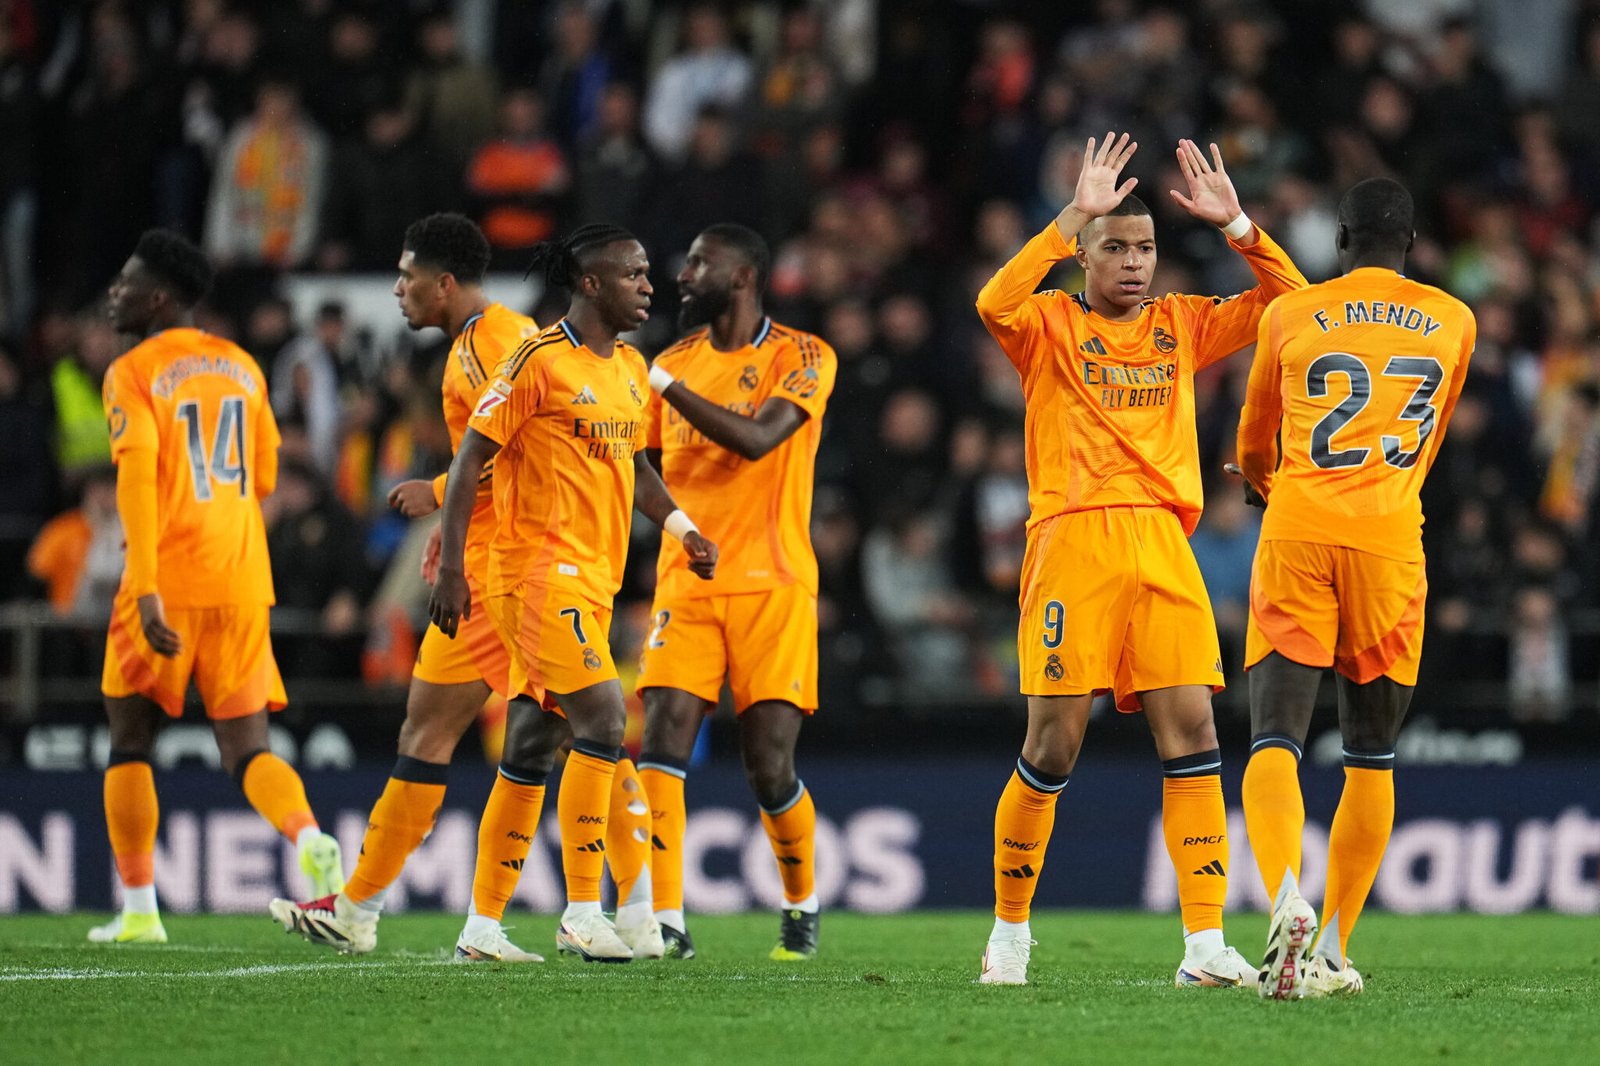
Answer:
(1094, 346)
(585, 395)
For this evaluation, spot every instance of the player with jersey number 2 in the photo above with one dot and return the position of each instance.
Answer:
(563, 420)
(1353, 385)
(737, 425)
(1112, 599)
(196, 449)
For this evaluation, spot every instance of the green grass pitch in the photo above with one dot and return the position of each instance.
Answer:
(237, 990)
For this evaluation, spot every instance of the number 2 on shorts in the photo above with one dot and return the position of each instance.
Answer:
(577, 622)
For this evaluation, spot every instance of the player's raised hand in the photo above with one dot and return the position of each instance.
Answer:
(1211, 194)
(413, 498)
(1252, 496)
(153, 620)
(451, 601)
(1098, 191)
(702, 554)
(430, 555)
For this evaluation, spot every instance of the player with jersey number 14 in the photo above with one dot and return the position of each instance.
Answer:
(196, 449)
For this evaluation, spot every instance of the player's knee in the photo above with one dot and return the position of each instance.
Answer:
(771, 774)
(532, 741)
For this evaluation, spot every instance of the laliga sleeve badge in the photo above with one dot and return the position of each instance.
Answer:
(497, 393)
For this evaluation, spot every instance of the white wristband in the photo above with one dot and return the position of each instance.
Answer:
(660, 378)
(1238, 227)
(679, 525)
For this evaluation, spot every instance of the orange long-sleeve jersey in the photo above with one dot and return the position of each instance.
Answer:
(758, 513)
(484, 341)
(569, 422)
(1360, 375)
(1110, 405)
(196, 449)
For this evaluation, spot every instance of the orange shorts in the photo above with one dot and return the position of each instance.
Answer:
(559, 639)
(1113, 601)
(227, 650)
(764, 643)
(476, 654)
(1325, 605)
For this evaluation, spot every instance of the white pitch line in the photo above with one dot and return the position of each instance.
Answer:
(62, 973)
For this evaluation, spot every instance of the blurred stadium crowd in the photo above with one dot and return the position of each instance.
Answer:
(894, 153)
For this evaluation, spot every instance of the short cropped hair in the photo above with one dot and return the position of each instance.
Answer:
(451, 244)
(1130, 205)
(560, 261)
(750, 245)
(1377, 214)
(176, 265)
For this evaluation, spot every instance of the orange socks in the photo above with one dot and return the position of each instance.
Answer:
(1022, 824)
(792, 830)
(582, 807)
(662, 777)
(505, 833)
(1195, 824)
(1274, 809)
(276, 792)
(628, 833)
(131, 817)
(400, 820)
(1357, 841)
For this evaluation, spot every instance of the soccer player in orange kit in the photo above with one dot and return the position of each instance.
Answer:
(1112, 599)
(1353, 385)
(737, 425)
(443, 262)
(196, 449)
(563, 418)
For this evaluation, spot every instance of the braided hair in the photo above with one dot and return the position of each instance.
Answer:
(560, 260)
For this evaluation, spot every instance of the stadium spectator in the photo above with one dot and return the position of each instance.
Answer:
(82, 441)
(78, 554)
(518, 180)
(305, 387)
(575, 75)
(452, 97)
(709, 72)
(617, 171)
(266, 197)
(27, 470)
(378, 182)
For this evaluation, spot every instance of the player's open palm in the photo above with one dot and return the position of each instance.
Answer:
(1098, 192)
(702, 554)
(1211, 194)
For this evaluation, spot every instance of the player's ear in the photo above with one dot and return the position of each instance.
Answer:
(1411, 240)
(1341, 240)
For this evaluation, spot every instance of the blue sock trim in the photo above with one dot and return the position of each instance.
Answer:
(420, 771)
(522, 775)
(652, 760)
(596, 750)
(1370, 760)
(799, 791)
(1276, 740)
(1199, 764)
(1040, 780)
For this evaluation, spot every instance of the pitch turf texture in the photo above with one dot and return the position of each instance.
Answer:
(236, 989)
